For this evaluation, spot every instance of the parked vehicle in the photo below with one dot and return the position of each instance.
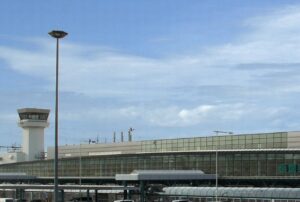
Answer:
(6, 200)
(82, 199)
(124, 200)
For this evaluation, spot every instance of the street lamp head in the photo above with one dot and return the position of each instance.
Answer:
(58, 34)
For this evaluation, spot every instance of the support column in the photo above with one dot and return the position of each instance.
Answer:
(96, 195)
(125, 190)
(88, 195)
(61, 197)
(142, 191)
(19, 194)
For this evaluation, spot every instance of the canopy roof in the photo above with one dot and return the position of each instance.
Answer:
(235, 192)
(137, 175)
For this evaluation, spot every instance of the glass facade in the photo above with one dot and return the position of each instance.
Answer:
(255, 155)
(255, 163)
(253, 141)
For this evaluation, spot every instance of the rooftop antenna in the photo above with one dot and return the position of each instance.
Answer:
(130, 130)
(122, 136)
(114, 137)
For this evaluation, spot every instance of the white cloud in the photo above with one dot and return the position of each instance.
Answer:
(101, 71)
(196, 114)
(274, 38)
(202, 115)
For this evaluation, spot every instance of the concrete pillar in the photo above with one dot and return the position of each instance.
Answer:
(125, 190)
(61, 195)
(142, 191)
(96, 195)
(88, 195)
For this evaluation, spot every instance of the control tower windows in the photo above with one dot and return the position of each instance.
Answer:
(34, 116)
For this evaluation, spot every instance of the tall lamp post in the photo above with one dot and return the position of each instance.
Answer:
(217, 132)
(80, 170)
(58, 35)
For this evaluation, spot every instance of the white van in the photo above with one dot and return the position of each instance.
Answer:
(6, 200)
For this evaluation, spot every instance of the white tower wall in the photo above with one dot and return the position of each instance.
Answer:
(33, 143)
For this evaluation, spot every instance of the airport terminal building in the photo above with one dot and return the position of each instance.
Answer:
(244, 156)
(256, 160)
(273, 157)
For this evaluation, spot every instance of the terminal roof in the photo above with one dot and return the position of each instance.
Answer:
(164, 175)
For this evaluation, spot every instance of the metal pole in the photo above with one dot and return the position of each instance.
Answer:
(58, 35)
(217, 145)
(56, 127)
(80, 170)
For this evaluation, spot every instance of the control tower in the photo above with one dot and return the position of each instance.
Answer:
(33, 121)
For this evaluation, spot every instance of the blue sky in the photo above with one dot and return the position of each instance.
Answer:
(168, 68)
